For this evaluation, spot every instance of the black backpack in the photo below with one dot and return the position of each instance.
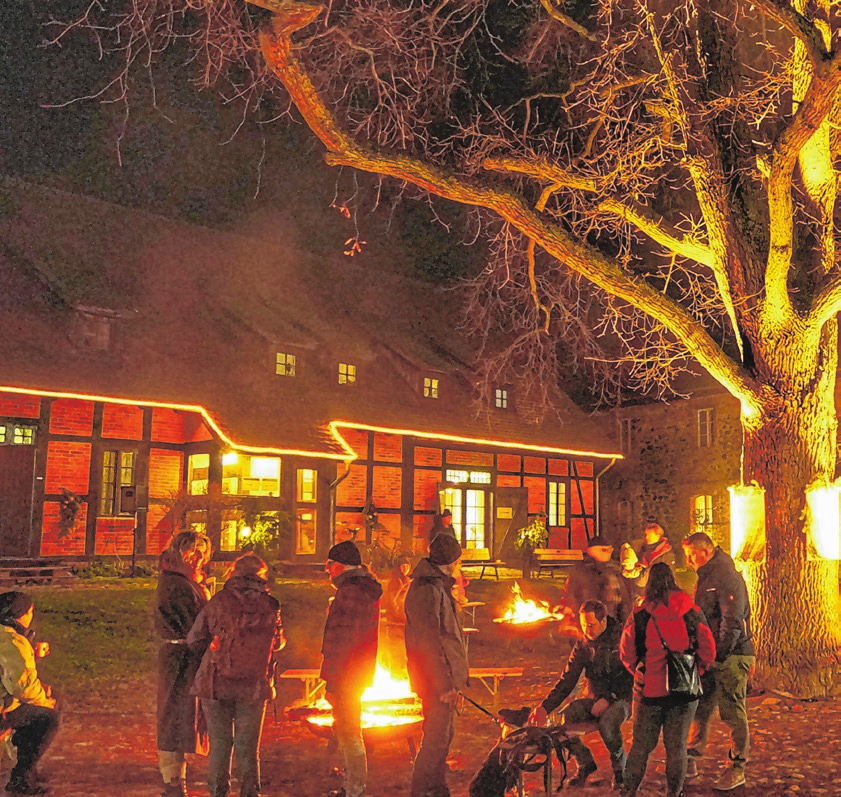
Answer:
(244, 641)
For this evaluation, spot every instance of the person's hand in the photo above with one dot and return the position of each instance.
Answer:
(42, 649)
(538, 716)
(450, 697)
(599, 707)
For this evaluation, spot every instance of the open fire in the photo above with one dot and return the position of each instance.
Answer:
(522, 611)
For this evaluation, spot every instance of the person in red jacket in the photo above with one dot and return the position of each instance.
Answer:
(681, 624)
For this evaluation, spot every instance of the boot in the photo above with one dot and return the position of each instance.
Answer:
(23, 785)
(177, 787)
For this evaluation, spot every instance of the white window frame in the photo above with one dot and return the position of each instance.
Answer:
(501, 398)
(706, 427)
(702, 512)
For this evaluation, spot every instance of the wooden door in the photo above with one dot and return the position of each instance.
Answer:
(17, 470)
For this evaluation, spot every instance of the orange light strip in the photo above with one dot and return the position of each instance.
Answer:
(206, 416)
(476, 441)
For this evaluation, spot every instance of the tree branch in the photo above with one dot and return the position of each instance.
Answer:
(591, 264)
(796, 24)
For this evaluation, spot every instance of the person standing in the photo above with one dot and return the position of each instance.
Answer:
(28, 707)
(442, 524)
(667, 618)
(722, 595)
(657, 548)
(609, 689)
(393, 648)
(349, 657)
(236, 635)
(597, 577)
(437, 660)
(180, 596)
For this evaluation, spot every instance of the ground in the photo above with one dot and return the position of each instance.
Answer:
(103, 659)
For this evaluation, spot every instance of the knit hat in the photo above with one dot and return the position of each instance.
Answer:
(13, 605)
(444, 550)
(345, 553)
(446, 513)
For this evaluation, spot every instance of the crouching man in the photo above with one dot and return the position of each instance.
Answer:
(609, 691)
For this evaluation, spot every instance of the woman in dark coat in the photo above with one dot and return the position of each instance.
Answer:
(181, 595)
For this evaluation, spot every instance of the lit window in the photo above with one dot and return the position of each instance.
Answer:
(705, 428)
(347, 373)
(286, 364)
(118, 472)
(430, 387)
(305, 532)
(263, 476)
(625, 435)
(557, 504)
(479, 477)
(12, 435)
(2, 435)
(306, 484)
(701, 512)
(502, 399)
(197, 467)
(456, 476)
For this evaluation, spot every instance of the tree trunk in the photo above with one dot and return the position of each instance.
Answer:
(795, 601)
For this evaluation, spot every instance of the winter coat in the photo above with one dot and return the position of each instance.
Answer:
(19, 682)
(599, 660)
(680, 622)
(178, 601)
(660, 551)
(245, 608)
(435, 651)
(601, 581)
(349, 649)
(723, 598)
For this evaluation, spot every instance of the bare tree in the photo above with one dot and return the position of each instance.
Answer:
(674, 160)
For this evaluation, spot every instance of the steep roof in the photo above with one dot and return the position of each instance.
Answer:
(100, 299)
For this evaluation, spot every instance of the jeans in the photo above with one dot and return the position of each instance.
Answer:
(347, 728)
(234, 725)
(34, 728)
(429, 777)
(726, 688)
(648, 720)
(609, 726)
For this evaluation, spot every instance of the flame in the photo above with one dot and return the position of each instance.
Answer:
(388, 701)
(522, 611)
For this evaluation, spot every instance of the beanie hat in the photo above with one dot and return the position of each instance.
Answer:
(345, 553)
(444, 550)
(13, 605)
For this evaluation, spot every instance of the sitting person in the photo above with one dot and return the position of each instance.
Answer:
(609, 692)
(29, 708)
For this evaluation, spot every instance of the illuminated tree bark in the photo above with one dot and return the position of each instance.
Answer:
(681, 164)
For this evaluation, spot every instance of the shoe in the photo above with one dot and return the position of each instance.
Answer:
(25, 786)
(618, 781)
(691, 768)
(581, 776)
(175, 788)
(731, 778)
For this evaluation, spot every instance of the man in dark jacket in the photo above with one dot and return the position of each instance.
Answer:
(437, 660)
(609, 691)
(598, 578)
(349, 657)
(722, 596)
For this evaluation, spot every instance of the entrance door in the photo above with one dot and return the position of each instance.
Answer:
(471, 509)
(511, 515)
(17, 470)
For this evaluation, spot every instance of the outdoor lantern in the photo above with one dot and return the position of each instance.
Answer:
(823, 529)
(747, 521)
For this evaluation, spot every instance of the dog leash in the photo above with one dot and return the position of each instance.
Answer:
(481, 708)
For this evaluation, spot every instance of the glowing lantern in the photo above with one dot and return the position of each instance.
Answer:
(747, 521)
(245, 531)
(823, 527)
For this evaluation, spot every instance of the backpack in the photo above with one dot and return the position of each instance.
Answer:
(244, 641)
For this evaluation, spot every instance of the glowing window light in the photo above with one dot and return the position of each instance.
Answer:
(747, 521)
(265, 467)
(231, 458)
(823, 529)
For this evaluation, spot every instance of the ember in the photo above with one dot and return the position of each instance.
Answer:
(522, 611)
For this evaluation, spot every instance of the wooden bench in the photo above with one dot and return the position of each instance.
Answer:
(35, 574)
(552, 559)
(480, 557)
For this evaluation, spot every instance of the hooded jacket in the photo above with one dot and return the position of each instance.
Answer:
(590, 579)
(19, 682)
(681, 623)
(599, 660)
(723, 598)
(241, 596)
(349, 648)
(435, 652)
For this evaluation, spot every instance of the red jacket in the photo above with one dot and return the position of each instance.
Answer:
(642, 652)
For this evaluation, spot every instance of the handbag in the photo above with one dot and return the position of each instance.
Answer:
(682, 676)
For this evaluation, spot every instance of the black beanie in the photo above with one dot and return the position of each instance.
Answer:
(444, 549)
(345, 553)
(13, 604)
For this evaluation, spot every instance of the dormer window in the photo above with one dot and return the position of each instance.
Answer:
(347, 373)
(501, 398)
(286, 364)
(430, 387)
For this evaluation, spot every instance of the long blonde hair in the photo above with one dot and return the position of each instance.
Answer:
(172, 557)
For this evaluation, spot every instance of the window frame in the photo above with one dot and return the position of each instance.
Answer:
(347, 373)
(431, 387)
(705, 424)
(301, 496)
(18, 434)
(110, 489)
(286, 364)
(501, 398)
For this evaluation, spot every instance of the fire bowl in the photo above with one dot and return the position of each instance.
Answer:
(374, 734)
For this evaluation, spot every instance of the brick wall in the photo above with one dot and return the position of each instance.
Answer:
(114, 536)
(168, 426)
(73, 544)
(68, 467)
(165, 472)
(122, 421)
(72, 416)
(158, 528)
(13, 405)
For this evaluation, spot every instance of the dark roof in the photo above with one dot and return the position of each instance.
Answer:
(197, 316)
